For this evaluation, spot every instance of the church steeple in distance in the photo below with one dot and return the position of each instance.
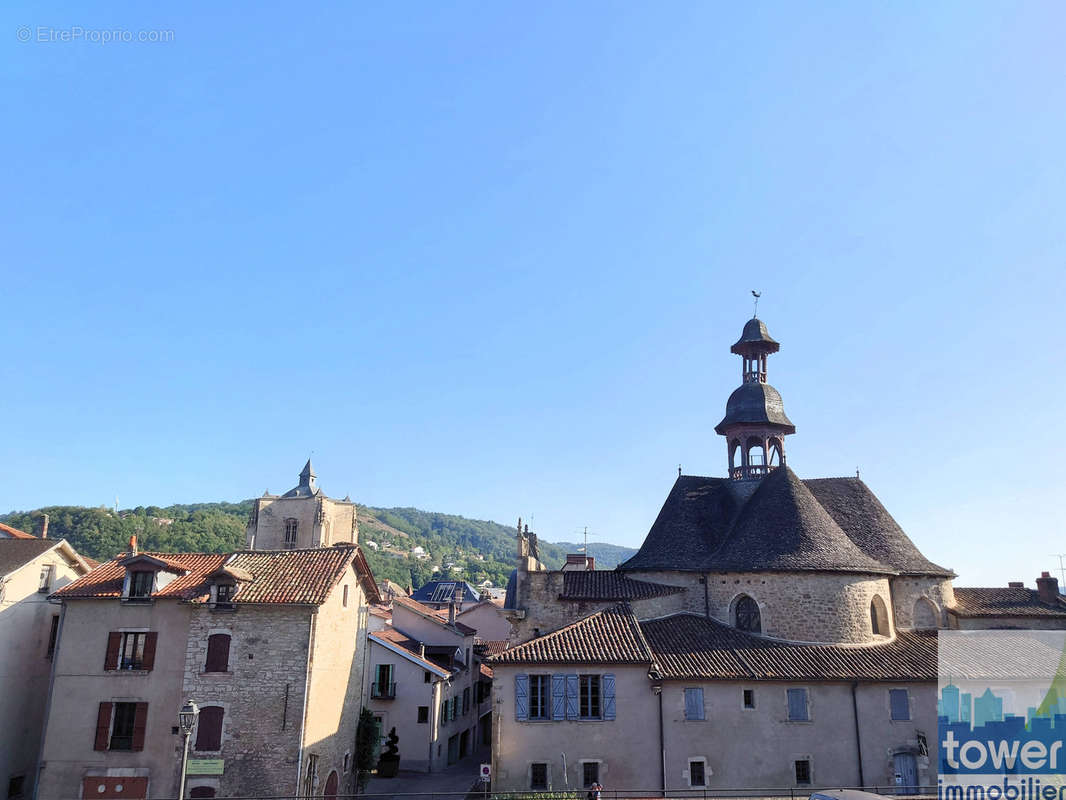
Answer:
(755, 424)
(308, 477)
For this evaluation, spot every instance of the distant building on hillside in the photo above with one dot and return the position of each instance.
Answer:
(302, 517)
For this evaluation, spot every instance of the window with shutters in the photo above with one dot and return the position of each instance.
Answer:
(803, 771)
(130, 650)
(209, 728)
(798, 710)
(290, 534)
(122, 725)
(694, 704)
(589, 696)
(453, 713)
(141, 582)
(383, 687)
(900, 704)
(539, 694)
(53, 635)
(217, 653)
(131, 655)
(538, 775)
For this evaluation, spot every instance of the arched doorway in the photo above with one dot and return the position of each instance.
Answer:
(331, 786)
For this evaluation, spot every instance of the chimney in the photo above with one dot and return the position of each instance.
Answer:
(44, 526)
(422, 650)
(1047, 588)
(459, 593)
(451, 611)
(1015, 585)
(132, 551)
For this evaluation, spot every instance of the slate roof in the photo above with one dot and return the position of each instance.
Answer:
(833, 523)
(610, 636)
(15, 553)
(758, 404)
(1010, 602)
(691, 647)
(301, 577)
(610, 585)
(14, 533)
(755, 332)
(424, 593)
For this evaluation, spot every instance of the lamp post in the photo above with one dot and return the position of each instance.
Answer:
(186, 719)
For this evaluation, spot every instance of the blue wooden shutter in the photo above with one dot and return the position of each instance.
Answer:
(797, 704)
(571, 696)
(694, 704)
(521, 697)
(900, 704)
(608, 696)
(558, 697)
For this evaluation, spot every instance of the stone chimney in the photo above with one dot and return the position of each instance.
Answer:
(451, 611)
(1015, 585)
(1047, 588)
(44, 526)
(459, 593)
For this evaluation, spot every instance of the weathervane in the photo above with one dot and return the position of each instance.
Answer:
(756, 295)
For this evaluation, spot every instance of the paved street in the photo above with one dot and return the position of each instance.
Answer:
(454, 781)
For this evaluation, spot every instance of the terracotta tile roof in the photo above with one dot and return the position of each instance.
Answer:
(491, 647)
(610, 585)
(610, 636)
(277, 576)
(485, 671)
(432, 614)
(1007, 602)
(687, 646)
(14, 533)
(402, 640)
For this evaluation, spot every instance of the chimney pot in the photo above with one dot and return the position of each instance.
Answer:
(133, 545)
(451, 612)
(1047, 588)
(1015, 585)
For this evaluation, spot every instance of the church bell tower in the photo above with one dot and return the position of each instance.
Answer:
(755, 424)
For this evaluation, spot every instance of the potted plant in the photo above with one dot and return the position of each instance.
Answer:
(389, 763)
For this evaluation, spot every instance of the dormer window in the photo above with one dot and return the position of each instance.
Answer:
(141, 582)
(224, 595)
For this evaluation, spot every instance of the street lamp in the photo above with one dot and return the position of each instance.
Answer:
(186, 719)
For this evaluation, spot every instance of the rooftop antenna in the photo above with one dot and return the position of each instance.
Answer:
(586, 548)
(679, 470)
(856, 472)
(1062, 567)
(756, 295)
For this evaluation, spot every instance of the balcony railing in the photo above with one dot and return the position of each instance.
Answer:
(383, 691)
(751, 471)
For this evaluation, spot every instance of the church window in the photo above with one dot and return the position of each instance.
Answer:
(879, 617)
(746, 615)
(290, 534)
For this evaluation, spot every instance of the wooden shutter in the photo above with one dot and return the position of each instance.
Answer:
(797, 704)
(140, 720)
(900, 704)
(608, 697)
(558, 697)
(571, 697)
(217, 653)
(114, 644)
(148, 659)
(521, 697)
(209, 728)
(103, 726)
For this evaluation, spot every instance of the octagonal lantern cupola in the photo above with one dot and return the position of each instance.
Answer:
(755, 424)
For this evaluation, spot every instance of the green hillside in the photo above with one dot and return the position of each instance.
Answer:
(474, 550)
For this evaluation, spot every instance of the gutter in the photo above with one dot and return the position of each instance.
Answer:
(858, 736)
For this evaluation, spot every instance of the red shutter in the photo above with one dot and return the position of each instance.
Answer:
(217, 653)
(114, 643)
(209, 728)
(103, 726)
(148, 659)
(140, 720)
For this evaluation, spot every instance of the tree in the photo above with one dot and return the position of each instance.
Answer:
(367, 739)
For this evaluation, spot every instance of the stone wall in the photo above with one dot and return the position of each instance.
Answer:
(321, 521)
(907, 590)
(262, 694)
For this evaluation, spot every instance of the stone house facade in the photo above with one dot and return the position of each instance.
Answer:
(30, 569)
(302, 517)
(270, 646)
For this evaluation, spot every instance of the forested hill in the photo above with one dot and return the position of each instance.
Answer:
(474, 550)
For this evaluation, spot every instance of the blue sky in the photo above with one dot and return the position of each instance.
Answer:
(489, 259)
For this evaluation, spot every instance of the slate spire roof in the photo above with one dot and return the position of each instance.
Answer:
(308, 486)
(836, 524)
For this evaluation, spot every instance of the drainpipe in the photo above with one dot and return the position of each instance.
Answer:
(658, 689)
(858, 736)
(706, 597)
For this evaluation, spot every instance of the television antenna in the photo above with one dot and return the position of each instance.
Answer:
(1062, 566)
(756, 295)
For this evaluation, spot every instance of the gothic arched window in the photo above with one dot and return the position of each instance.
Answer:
(879, 623)
(746, 615)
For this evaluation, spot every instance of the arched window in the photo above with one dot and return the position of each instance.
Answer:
(734, 454)
(925, 614)
(290, 533)
(202, 791)
(746, 616)
(330, 792)
(879, 617)
(756, 453)
(775, 453)
(217, 653)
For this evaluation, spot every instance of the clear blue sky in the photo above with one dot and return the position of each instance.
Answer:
(488, 259)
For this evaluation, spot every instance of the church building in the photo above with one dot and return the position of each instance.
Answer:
(302, 517)
(771, 631)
